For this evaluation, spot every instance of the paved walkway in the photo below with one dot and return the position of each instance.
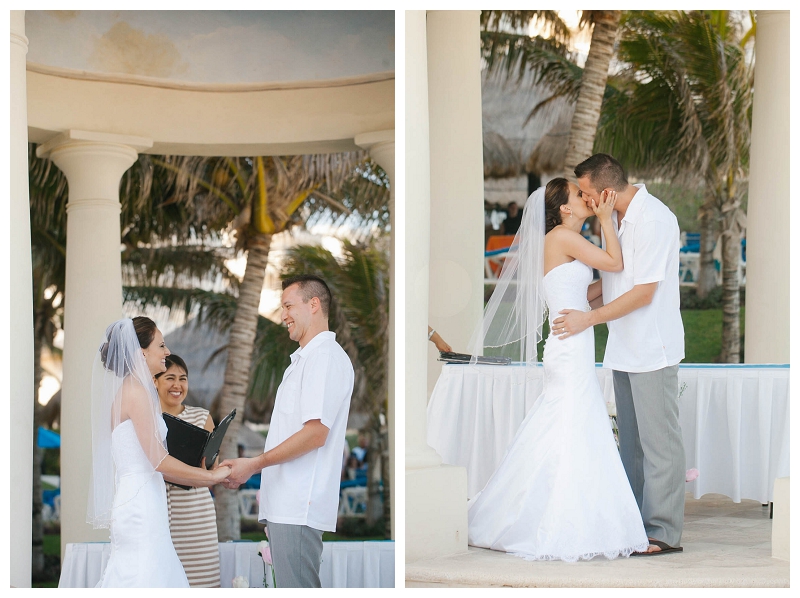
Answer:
(725, 545)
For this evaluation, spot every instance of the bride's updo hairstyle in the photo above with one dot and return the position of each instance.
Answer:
(145, 330)
(556, 194)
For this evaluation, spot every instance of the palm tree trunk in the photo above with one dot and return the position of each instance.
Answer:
(37, 531)
(374, 507)
(731, 330)
(707, 276)
(593, 86)
(237, 375)
(387, 489)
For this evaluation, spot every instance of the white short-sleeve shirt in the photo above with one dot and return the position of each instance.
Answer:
(651, 337)
(317, 385)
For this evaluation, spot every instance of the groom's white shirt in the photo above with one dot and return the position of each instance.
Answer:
(651, 337)
(317, 385)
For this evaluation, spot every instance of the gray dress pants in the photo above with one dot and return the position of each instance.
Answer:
(296, 554)
(651, 447)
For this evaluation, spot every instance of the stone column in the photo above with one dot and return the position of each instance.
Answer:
(457, 229)
(436, 494)
(768, 220)
(381, 148)
(20, 317)
(93, 164)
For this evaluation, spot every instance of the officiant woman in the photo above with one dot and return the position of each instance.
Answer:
(192, 518)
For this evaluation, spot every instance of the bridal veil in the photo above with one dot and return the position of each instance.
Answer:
(122, 389)
(512, 319)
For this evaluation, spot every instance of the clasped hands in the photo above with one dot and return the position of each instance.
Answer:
(573, 321)
(241, 470)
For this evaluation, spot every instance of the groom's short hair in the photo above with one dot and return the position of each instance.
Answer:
(311, 286)
(604, 172)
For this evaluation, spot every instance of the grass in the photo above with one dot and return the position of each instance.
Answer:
(702, 336)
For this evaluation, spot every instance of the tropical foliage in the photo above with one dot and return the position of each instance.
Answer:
(253, 199)
(507, 46)
(681, 109)
(678, 107)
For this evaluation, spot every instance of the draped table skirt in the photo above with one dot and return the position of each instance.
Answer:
(734, 420)
(344, 564)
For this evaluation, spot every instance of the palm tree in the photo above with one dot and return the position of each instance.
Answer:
(550, 60)
(258, 197)
(682, 109)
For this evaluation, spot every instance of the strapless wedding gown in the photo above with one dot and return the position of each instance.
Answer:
(142, 554)
(560, 491)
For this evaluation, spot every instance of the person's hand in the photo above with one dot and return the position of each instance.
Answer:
(608, 197)
(218, 474)
(240, 471)
(438, 341)
(572, 322)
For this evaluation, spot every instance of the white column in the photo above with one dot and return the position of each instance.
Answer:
(768, 220)
(457, 229)
(381, 148)
(19, 320)
(436, 494)
(93, 164)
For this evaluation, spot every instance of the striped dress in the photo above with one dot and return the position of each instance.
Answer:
(193, 523)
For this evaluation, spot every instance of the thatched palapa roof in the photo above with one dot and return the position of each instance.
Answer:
(508, 140)
(550, 153)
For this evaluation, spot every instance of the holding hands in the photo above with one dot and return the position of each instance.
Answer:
(218, 474)
(240, 471)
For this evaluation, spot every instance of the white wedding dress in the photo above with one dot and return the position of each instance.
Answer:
(561, 491)
(142, 554)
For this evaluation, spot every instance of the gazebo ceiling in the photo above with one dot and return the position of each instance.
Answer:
(214, 47)
(213, 82)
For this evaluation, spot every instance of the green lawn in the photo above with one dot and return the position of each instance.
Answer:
(702, 334)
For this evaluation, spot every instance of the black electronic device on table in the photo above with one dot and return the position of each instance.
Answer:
(450, 357)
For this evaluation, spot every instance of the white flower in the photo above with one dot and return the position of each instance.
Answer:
(240, 582)
(262, 546)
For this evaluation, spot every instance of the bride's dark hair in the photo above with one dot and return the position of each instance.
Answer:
(556, 194)
(145, 330)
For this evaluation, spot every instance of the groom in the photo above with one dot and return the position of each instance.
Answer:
(645, 345)
(302, 460)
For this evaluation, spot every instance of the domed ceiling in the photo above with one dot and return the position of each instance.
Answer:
(215, 47)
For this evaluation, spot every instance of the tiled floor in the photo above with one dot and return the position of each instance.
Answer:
(725, 545)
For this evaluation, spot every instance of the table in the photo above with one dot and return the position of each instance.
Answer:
(344, 564)
(734, 419)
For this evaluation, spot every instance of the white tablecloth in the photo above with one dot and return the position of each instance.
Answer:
(734, 418)
(344, 564)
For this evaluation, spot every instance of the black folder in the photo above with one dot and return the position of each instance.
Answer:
(190, 444)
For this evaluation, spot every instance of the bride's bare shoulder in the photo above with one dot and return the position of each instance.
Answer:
(133, 389)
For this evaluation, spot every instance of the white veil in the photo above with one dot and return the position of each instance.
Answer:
(512, 319)
(122, 387)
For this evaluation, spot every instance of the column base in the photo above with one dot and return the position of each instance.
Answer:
(780, 519)
(436, 512)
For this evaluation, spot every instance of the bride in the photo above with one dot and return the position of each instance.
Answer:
(130, 460)
(561, 491)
